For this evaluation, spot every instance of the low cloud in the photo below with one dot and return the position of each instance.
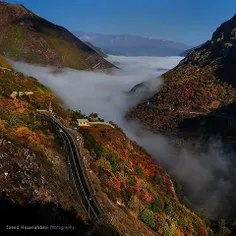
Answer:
(205, 176)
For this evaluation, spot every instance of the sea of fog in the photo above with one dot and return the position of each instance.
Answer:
(106, 95)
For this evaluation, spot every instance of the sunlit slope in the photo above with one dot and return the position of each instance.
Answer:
(4, 63)
(27, 37)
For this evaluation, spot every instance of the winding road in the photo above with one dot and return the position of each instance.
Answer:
(77, 169)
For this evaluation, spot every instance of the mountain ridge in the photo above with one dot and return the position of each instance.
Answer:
(203, 80)
(28, 37)
(129, 45)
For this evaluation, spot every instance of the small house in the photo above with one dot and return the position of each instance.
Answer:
(83, 122)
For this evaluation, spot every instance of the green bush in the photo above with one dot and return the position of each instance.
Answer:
(114, 160)
(131, 181)
(158, 204)
(112, 195)
(139, 172)
(147, 217)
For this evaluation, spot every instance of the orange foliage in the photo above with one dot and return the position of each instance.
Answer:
(2, 126)
(149, 169)
(23, 132)
(146, 196)
(116, 183)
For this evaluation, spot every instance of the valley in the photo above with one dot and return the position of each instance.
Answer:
(116, 135)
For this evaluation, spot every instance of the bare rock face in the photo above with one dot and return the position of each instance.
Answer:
(30, 38)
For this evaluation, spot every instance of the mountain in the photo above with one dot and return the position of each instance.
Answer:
(27, 37)
(128, 45)
(203, 82)
(96, 49)
(184, 53)
(196, 105)
(131, 186)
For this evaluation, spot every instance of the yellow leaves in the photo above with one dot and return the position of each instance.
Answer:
(136, 205)
(141, 183)
(23, 131)
(173, 229)
(122, 177)
(26, 134)
(102, 162)
(21, 110)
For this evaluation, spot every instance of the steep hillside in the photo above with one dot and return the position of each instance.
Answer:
(204, 81)
(4, 63)
(129, 183)
(185, 53)
(34, 184)
(96, 49)
(30, 38)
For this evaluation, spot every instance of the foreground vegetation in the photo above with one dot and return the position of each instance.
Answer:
(129, 177)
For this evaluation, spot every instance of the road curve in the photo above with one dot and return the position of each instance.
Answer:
(77, 170)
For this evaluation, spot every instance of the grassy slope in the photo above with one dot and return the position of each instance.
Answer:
(97, 49)
(4, 63)
(28, 37)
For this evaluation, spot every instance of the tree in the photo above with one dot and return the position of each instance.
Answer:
(114, 160)
(158, 204)
(221, 224)
(147, 217)
(222, 229)
(170, 210)
(104, 163)
(76, 115)
(135, 204)
(166, 229)
(116, 184)
(173, 228)
(93, 115)
(139, 171)
(160, 223)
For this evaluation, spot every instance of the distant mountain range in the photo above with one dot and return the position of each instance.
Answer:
(128, 45)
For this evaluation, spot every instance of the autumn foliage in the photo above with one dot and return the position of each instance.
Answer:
(131, 176)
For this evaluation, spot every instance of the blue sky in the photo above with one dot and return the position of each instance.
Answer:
(188, 21)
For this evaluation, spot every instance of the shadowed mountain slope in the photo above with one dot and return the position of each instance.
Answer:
(202, 82)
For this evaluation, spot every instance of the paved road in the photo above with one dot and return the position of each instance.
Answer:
(77, 170)
(216, 114)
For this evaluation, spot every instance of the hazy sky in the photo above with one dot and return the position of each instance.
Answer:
(187, 21)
